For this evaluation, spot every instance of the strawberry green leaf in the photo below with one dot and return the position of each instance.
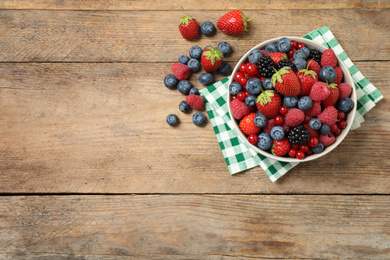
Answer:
(265, 97)
(309, 72)
(212, 54)
(278, 76)
(332, 85)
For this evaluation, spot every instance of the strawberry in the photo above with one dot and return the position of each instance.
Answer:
(314, 66)
(333, 96)
(269, 103)
(339, 75)
(286, 82)
(247, 125)
(234, 22)
(306, 78)
(280, 148)
(278, 56)
(188, 27)
(212, 58)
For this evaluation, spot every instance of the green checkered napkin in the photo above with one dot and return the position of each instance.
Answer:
(238, 155)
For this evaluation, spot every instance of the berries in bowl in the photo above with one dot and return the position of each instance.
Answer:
(291, 99)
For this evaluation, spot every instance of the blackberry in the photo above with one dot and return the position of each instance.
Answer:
(287, 63)
(266, 66)
(316, 55)
(298, 135)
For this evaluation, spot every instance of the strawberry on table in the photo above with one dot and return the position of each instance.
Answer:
(188, 27)
(286, 82)
(212, 59)
(233, 22)
(269, 103)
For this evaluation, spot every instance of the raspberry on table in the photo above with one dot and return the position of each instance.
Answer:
(195, 101)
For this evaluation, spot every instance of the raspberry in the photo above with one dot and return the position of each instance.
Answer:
(314, 66)
(181, 71)
(328, 139)
(248, 126)
(345, 90)
(195, 101)
(270, 124)
(319, 91)
(238, 108)
(315, 110)
(328, 58)
(328, 116)
(294, 117)
(339, 75)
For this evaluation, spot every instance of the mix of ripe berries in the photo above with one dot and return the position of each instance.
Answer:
(290, 100)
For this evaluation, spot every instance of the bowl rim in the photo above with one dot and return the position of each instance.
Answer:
(347, 79)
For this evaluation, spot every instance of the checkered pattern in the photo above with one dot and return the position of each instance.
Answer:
(238, 155)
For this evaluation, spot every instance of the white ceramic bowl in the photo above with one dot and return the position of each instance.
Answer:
(347, 79)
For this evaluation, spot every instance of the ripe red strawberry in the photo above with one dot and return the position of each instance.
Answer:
(306, 78)
(247, 124)
(212, 58)
(234, 22)
(328, 58)
(195, 101)
(286, 82)
(314, 66)
(239, 109)
(188, 27)
(269, 103)
(333, 97)
(339, 76)
(280, 148)
(278, 56)
(328, 116)
(180, 71)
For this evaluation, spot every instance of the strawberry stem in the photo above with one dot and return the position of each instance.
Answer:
(183, 10)
(251, 18)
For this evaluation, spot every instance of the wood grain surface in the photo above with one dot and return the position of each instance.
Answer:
(197, 226)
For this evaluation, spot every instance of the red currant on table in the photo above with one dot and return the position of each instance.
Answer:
(238, 76)
(300, 155)
(338, 132)
(290, 53)
(294, 44)
(333, 128)
(342, 124)
(313, 141)
(279, 120)
(283, 110)
(243, 68)
(300, 45)
(253, 139)
(251, 69)
(292, 152)
(304, 148)
(241, 96)
(340, 115)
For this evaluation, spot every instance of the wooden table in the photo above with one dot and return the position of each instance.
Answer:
(89, 169)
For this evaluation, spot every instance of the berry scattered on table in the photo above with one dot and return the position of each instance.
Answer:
(195, 101)
(194, 90)
(196, 52)
(170, 81)
(180, 71)
(193, 65)
(184, 87)
(225, 48)
(225, 69)
(199, 119)
(207, 28)
(233, 22)
(183, 59)
(172, 120)
(184, 107)
(211, 59)
(206, 79)
(188, 27)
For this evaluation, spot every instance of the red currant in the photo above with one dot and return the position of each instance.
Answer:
(238, 76)
(279, 120)
(292, 152)
(338, 132)
(243, 81)
(290, 53)
(342, 124)
(309, 152)
(304, 148)
(233, 97)
(340, 115)
(246, 93)
(283, 110)
(300, 45)
(300, 155)
(253, 138)
(251, 69)
(295, 146)
(313, 141)
(243, 68)
(241, 96)
(333, 128)
(294, 44)
(252, 109)
(307, 119)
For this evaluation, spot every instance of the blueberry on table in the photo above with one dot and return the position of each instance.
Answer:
(184, 87)
(184, 107)
(196, 52)
(183, 59)
(172, 119)
(209, 46)
(194, 91)
(170, 81)
(225, 48)
(194, 65)
(207, 28)
(224, 69)
(206, 78)
(199, 118)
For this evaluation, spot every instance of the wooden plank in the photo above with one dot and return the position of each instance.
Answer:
(188, 5)
(137, 36)
(100, 128)
(194, 226)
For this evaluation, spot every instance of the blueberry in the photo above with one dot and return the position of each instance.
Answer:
(225, 48)
(306, 51)
(284, 45)
(254, 56)
(328, 74)
(265, 141)
(325, 129)
(194, 91)
(207, 28)
(299, 54)
(300, 63)
(198, 118)
(205, 78)
(250, 100)
(253, 86)
(184, 59)
(196, 52)
(235, 88)
(267, 84)
(207, 47)
(346, 105)
(271, 47)
(194, 65)
(305, 103)
(184, 107)
(172, 119)
(260, 120)
(224, 69)
(184, 87)
(290, 101)
(170, 81)
(319, 148)
(315, 124)
(277, 132)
